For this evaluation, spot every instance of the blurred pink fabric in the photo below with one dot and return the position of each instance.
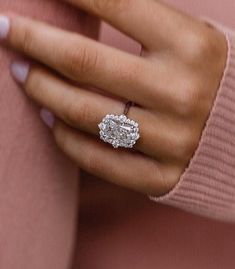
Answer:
(39, 187)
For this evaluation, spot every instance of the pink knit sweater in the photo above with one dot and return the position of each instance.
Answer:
(117, 229)
(207, 187)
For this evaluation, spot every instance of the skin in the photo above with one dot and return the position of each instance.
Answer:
(173, 83)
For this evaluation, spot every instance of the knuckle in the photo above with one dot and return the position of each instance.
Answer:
(185, 144)
(164, 179)
(71, 113)
(80, 60)
(172, 175)
(204, 44)
(193, 143)
(26, 40)
(60, 136)
(85, 113)
(90, 162)
(186, 101)
(162, 185)
(101, 6)
(190, 96)
(77, 114)
(181, 149)
(130, 72)
(34, 81)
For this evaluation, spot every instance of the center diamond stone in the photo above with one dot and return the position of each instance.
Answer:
(119, 131)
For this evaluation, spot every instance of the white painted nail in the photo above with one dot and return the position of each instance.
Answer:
(4, 27)
(47, 117)
(20, 71)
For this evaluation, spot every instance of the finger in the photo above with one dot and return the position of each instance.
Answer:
(84, 110)
(85, 60)
(78, 107)
(150, 22)
(124, 168)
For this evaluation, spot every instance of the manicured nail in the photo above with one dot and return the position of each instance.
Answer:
(47, 117)
(4, 26)
(20, 71)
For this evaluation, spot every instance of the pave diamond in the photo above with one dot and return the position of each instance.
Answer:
(119, 131)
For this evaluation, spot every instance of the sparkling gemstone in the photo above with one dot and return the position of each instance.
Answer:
(119, 131)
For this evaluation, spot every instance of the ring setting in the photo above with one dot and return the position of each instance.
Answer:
(119, 131)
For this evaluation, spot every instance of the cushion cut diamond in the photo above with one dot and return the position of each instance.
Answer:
(119, 131)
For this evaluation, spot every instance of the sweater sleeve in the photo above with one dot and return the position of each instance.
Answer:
(207, 186)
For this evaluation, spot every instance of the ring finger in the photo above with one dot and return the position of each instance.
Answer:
(84, 109)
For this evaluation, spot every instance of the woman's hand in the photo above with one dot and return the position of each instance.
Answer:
(173, 84)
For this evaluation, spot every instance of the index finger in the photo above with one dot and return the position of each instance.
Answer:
(86, 61)
(153, 24)
(74, 56)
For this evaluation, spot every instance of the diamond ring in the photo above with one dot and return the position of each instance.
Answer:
(118, 130)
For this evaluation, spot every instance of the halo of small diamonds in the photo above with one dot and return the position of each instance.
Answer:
(119, 131)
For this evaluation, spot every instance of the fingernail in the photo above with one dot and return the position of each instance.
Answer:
(20, 71)
(4, 26)
(47, 117)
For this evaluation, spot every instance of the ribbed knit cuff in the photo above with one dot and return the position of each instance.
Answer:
(207, 187)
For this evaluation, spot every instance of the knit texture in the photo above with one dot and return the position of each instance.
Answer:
(207, 187)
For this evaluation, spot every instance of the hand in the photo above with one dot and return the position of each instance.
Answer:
(173, 84)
